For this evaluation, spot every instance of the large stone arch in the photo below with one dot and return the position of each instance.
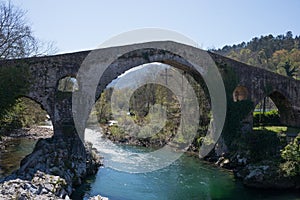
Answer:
(140, 57)
(45, 72)
(124, 58)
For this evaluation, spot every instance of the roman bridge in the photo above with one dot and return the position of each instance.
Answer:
(38, 78)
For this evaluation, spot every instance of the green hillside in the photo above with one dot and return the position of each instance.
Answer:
(279, 54)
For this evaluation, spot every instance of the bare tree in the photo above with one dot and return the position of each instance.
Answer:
(16, 41)
(16, 36)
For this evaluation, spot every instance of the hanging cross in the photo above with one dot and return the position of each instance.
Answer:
(166, 75)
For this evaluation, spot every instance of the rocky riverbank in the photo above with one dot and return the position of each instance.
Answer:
(52, 170)
(264, 175)
(34, 133)
(42, 186)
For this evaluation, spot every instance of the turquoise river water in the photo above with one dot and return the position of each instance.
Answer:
(186, 178)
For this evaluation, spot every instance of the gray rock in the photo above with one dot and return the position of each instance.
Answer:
(98, 197)
(51, 170)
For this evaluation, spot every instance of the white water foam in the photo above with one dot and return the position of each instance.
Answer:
(119, 158)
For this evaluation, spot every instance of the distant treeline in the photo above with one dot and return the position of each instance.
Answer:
(279, 54)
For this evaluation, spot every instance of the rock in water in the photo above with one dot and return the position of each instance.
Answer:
(98, 197)
(55, 166)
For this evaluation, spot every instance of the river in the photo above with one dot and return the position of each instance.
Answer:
(186, 178)
(16, 149)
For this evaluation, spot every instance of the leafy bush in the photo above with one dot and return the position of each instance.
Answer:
(24, 113)
(291, 155)
(116, 132)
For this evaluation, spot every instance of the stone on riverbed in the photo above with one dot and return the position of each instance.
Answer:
(42, 186)
(267, 176)
(98, 197)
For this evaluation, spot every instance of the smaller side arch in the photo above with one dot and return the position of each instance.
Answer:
(67, 84)
(31, 111)
(40, 100)
(284, 106)
(240, 93)
(287, 115)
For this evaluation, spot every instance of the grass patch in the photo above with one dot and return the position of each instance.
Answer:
(278, 129)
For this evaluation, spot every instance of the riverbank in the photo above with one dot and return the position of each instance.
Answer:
(266, 174)
(34, 133)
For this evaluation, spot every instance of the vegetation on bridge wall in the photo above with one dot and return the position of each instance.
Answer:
(257, 146)
(268, 118)
(236, 111)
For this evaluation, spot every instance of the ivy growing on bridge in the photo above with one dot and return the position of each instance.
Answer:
(236, 111)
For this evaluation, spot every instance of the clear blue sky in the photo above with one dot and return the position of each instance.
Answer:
(78, 25)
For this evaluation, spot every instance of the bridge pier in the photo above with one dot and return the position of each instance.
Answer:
(290, 117)
(63, 123)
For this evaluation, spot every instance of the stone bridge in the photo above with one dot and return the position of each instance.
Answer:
(38, 78)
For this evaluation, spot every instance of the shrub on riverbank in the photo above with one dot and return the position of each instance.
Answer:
(24, 113)
(291, 156)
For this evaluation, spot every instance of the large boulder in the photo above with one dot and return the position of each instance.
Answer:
(66, 158)
(267, 176)
(42, 186)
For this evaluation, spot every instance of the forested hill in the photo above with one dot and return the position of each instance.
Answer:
(280, 53)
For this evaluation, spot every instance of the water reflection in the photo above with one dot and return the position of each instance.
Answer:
(16, 149)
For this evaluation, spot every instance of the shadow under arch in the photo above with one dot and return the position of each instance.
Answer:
(284, 106)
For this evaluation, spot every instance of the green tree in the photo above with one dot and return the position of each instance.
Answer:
(268, 52)
(289, 69)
